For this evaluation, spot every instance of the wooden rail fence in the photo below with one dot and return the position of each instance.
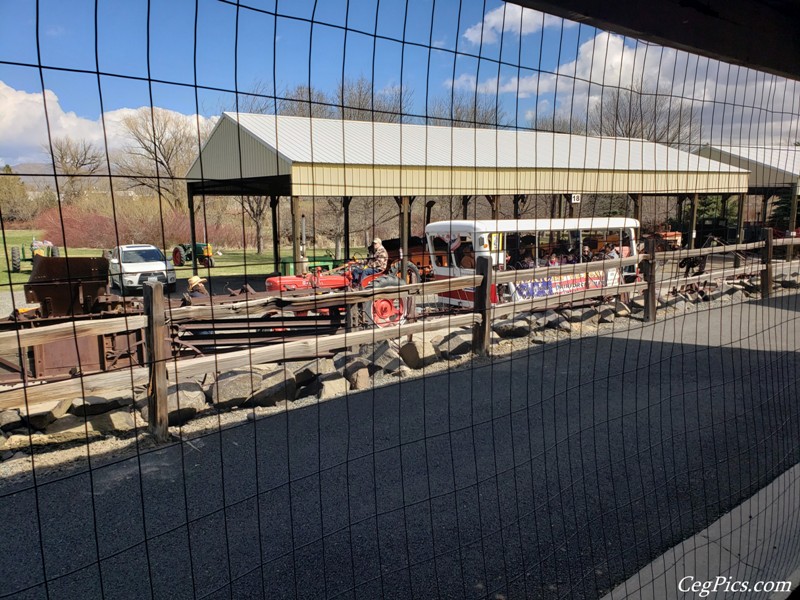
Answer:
(161, 368)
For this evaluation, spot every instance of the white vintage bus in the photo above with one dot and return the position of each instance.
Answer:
(522, 244)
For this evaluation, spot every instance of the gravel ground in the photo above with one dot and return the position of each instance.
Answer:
(56, 460)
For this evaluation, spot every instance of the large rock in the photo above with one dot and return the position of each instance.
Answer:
(418, 354)
(790, 281)
(607, 313)
(279, 386)
(71, 428)
(10, 419)
(184, 401)
(332, 385)
(545, 320)
(560, 323)
(636, 304)
(515, 327)
(382, 355)
(620, 310)
(357, 372)
(95, 405)
(306, 372)
(452, 345)
(44, 413)
(234, 388)
(582, 315)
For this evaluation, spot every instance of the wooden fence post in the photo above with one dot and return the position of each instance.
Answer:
(155, 337)
(651, 294)
(766, 260)
(483, 306)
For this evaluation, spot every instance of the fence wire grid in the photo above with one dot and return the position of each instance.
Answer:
(391, 299)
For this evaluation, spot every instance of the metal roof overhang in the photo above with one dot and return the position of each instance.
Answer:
(759, 35)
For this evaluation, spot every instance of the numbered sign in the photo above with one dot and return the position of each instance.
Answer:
(575, 198)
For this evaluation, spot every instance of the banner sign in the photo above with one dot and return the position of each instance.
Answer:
(558, 284)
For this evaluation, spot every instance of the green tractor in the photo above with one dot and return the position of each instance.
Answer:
(182, 254)
(37, 248)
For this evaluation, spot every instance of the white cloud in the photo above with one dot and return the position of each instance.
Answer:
(511, 18)
(736, 104)
(24, 129)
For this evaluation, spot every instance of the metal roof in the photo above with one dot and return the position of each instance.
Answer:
(335, 141)
(332, 157)
(769, 166)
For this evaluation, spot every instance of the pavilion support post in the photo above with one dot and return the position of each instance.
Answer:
(765, 209)
(465, 207)
(570, 206)
(520, 200)
(404, 204)
(494, 203)
(766, 261)
(637, 211)
(346, 206)
(792, 219)
(680, 214)
(428, 208)
(554, 207)
(737, 260)
(297, 259)
(192, 232)
(276, 235)
(693, 222)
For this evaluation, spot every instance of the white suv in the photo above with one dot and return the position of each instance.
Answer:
(131, 266)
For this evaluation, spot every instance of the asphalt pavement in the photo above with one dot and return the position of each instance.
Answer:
(558, 472)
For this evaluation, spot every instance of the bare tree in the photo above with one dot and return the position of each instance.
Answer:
(357, 100)
(161, 147)
(76, 163)
(306, 101)
(256, 208)
(651, 116)
(466, 109)
(559, 123)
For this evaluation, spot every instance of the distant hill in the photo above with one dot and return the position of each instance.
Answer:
(35, 174)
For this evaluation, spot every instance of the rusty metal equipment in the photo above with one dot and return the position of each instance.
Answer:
(66, 287)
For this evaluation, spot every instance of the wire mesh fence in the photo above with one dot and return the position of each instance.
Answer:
(378, 298)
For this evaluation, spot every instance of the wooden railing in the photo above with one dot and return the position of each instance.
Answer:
(162, 369)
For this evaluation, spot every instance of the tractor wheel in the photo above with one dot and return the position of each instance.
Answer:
(178, 256)
(55, 251)
(206, 261)
(411, 275)
(16, 259)
(386, 312)
(210, 262)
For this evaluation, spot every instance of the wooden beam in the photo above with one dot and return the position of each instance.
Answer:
(520, 200)
(346, 206)
(766, 260)
(296, 255)
(192, 232)
(693, 222)
(157, 356)
(739, 227)
(539, 303)
(276, 232)
(198, 367)
(590, 267)
(792, 218)
(428, 208)
(482, 333)
(651, 294)
(10, 341)
(465, 207)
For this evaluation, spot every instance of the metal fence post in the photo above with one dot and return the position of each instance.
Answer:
(155, 336)
(483, 306)
(651, 294)
(766, 260)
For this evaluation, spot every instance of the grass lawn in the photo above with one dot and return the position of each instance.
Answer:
(230, 262)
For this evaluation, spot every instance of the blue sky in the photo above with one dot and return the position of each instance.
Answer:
(274, 42)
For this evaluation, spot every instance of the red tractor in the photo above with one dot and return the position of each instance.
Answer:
(381, 312)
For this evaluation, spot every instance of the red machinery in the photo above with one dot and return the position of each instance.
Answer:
(381, 312)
